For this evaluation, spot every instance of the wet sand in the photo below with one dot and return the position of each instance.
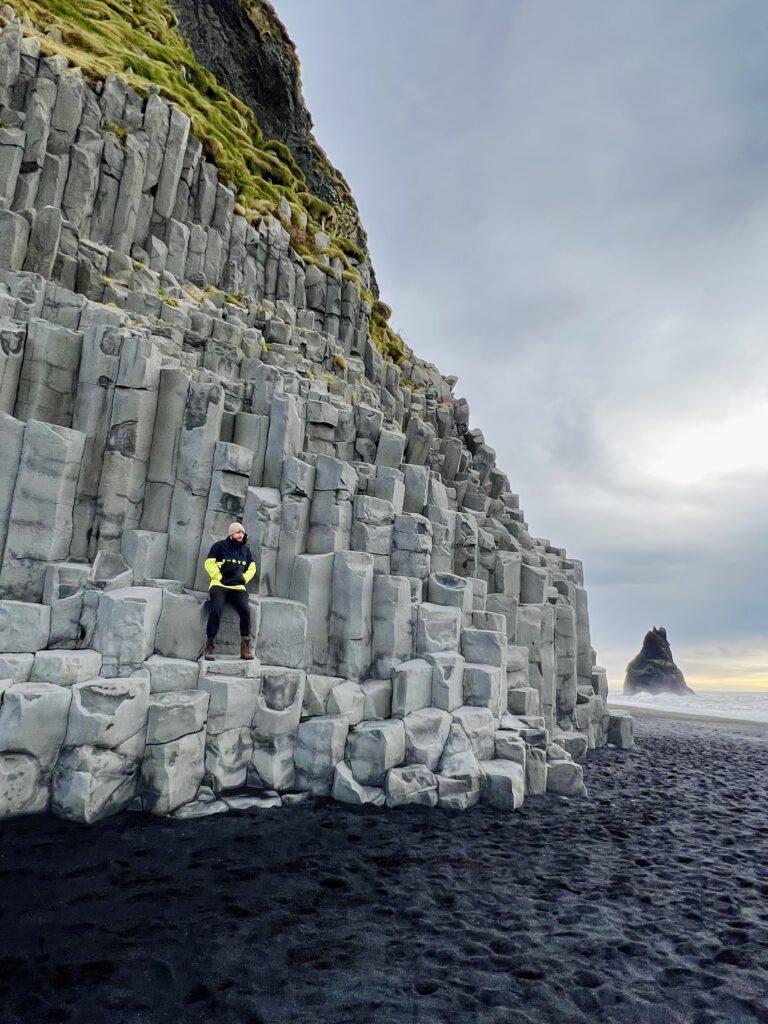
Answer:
(645, 902)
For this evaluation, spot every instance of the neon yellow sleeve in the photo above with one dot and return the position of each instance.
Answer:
(250, 572)
(213, 568)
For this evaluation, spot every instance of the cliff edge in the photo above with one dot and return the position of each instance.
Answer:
(246, 46)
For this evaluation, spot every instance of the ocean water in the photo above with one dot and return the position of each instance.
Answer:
(709, 703)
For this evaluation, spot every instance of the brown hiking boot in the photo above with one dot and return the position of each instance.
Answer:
(210, 647)
(245, 649)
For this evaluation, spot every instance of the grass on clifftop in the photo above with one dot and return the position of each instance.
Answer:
(266, 20)
(139, 41)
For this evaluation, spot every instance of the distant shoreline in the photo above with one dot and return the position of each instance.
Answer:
(705, 719)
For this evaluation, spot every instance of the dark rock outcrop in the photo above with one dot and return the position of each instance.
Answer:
(246, 46)
(653, 669)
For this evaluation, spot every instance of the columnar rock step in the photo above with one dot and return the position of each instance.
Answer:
(166, 367)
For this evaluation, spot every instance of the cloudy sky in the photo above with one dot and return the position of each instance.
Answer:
(567, 206)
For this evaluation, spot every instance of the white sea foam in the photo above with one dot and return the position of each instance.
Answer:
(709, 703)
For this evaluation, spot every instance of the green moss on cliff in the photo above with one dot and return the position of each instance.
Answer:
(388, 341)
(266, 21)
(138, 39)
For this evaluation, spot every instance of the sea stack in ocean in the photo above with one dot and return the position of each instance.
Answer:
(653, 670)
(180, 346)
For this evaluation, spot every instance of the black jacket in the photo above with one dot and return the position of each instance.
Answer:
(230, 564)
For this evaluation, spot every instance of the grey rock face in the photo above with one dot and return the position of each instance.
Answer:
(459, 773)
(451, 590)
(126, 626)
(373, 748)
(425, 734)
(348, 699)
(504, 786)
(171, 773)
(175, 713)
(43, 241)
(168, 674)
(33, 720)
(40, 526)
(279, 702)
(233, 701)
(282, 633)
(438, 628)
(377, 694)
(619, 731)
(65, 668)
(457, 794)
(576, 744)
(348, 790)
(478, 724)
(319, 749)
(483, 688)
(391, 615)
(413, 784)
(447, 680)
(411, 687)
(21, 789)
(23, 627)
(180, 626)
(402, 613)
(14, 230)
(351, 611)
(565, 778)
(107, 712)
(510, 746)
(228, 755)
(536, 772)
(523, 700)
(91, 783)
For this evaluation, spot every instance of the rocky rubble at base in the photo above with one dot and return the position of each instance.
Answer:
(166, 367)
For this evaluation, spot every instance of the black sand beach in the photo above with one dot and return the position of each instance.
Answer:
(646, 902)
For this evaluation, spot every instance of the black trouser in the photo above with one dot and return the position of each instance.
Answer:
(218, 596)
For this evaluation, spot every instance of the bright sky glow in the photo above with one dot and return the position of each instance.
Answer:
(704, 451)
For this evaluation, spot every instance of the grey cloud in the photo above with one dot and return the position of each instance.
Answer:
(567, 206)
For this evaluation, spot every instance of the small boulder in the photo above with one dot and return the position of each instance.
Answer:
(574, 743)
(347, 790)
(565, 778)
(620, 730)
(457, 794)
(536, 771)
(412, 784)
(504, 786)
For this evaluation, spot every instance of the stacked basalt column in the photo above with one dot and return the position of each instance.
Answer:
(167, 367)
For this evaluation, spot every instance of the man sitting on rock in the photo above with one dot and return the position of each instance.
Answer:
(231, 567)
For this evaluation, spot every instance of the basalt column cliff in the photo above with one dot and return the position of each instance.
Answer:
(190, 333)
